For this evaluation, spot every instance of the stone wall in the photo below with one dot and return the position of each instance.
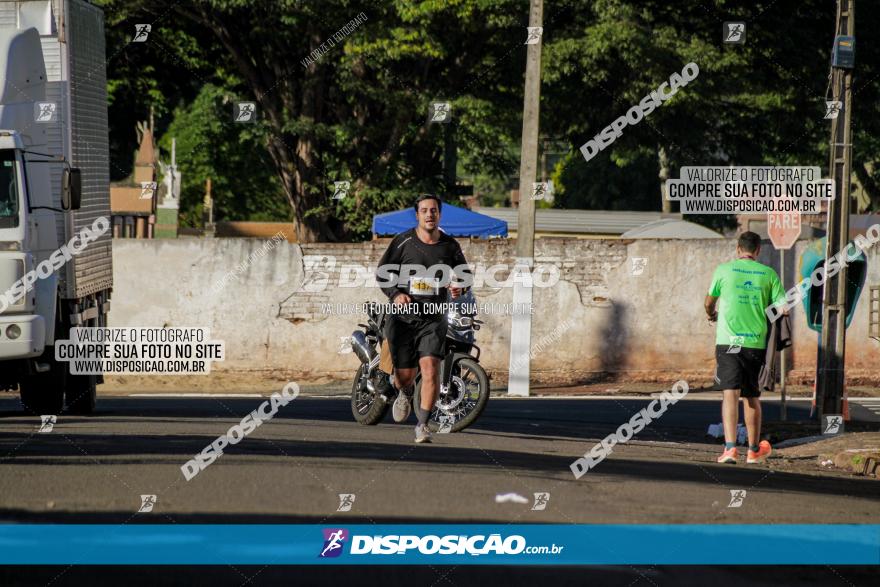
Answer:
(645, 324)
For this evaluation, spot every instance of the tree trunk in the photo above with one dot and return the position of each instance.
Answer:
(293, 155)
(663, 161)
(291, 184)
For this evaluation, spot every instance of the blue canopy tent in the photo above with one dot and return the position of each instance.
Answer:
(454, 221)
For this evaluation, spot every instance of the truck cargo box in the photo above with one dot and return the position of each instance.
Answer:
(72, 36)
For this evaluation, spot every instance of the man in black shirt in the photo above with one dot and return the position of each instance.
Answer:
(415, 271)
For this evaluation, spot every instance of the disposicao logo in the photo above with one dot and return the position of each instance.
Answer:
(334, 540)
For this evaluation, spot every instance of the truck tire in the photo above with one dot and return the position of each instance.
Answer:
(80, 393)
(43, 393)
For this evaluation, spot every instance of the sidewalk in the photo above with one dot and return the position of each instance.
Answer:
(853, 452)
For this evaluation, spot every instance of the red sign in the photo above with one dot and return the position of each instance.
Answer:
(784, 228)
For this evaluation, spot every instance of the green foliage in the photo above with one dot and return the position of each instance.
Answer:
(244, 185)
(156, 75)
(752, 104)
(359, 112)
(603, 185)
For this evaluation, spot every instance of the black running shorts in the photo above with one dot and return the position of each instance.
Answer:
(738, 370)
(410, 341)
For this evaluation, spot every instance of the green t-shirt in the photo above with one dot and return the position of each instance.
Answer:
(745, 289)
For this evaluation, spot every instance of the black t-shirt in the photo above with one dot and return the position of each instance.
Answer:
(421, 282)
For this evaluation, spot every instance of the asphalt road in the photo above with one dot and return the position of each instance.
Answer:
(293, 468)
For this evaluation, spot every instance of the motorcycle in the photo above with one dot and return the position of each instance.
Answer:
(464, 384)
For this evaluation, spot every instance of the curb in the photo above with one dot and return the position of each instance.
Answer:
(861, 461)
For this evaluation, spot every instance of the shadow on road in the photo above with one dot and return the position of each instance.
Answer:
(120, 449)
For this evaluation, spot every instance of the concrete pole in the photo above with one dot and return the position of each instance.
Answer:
(525, 232)
(782, 362)
(521, 323)
(830, 376)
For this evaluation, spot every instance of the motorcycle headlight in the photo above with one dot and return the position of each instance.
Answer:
(459, 321)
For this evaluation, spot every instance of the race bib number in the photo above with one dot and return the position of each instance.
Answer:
(424, 286)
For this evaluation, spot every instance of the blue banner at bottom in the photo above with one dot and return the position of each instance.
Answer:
(439, 544)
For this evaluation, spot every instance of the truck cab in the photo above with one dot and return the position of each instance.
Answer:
(22, 328)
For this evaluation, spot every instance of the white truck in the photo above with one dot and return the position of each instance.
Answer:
(55, 250)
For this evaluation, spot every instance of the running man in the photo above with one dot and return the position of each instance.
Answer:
(745, 288)
(417, 337)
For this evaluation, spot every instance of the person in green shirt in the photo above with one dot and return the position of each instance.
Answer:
(740, 292)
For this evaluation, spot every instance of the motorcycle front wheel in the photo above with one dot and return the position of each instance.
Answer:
(466, 399)
(366, 406)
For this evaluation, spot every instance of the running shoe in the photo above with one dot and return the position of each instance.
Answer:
(401, 409)
(728, 456)
(422, 434)
(764, 451)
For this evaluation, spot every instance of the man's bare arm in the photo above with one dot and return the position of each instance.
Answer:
(709, 304)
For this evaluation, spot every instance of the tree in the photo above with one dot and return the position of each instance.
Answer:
(760, 103)
(356, 109)
(244, 186)
(148, 80)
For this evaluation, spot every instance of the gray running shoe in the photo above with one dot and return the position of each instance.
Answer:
(401, 408)
(422, 434)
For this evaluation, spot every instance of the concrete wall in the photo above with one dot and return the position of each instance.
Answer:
(649, 326)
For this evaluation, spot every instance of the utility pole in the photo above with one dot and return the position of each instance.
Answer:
(450, 160)
(525, 233)
(830, 362)
(172, 169)
(783, 411)
(208, 210)
(521, 323)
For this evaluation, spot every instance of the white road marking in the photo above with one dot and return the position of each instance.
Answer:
(869, 403)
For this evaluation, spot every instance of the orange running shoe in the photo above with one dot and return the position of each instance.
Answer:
(728, 456)
(764, 451)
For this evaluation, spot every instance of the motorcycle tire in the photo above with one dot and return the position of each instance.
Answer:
(482, 400)
(376, 410)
